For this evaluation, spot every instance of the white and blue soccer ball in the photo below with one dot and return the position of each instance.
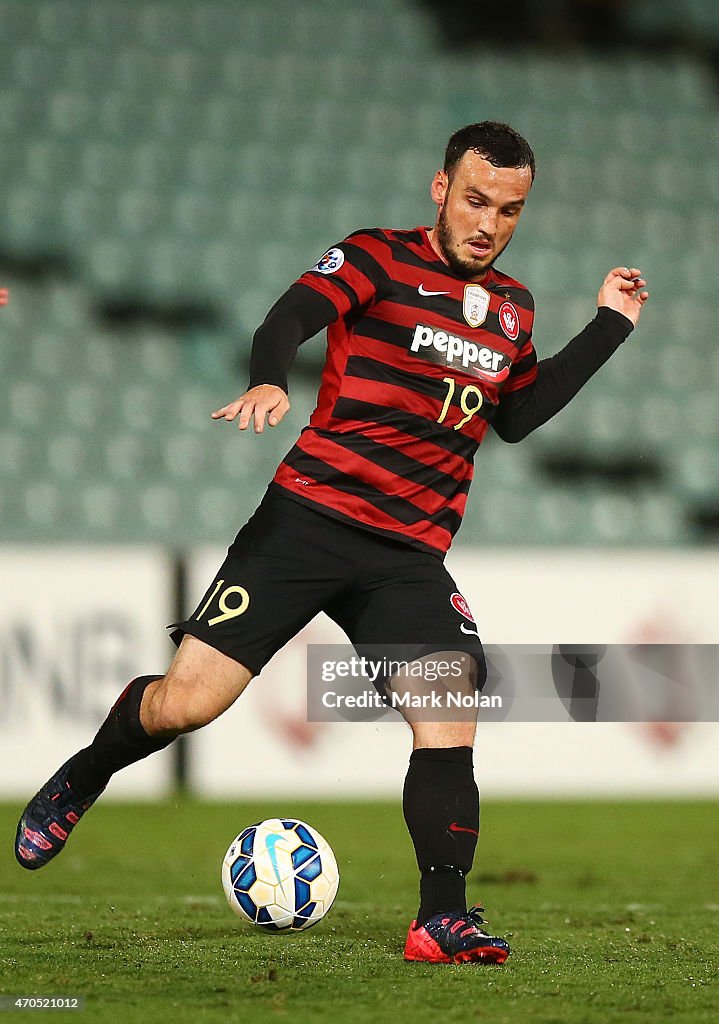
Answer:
(280, 875)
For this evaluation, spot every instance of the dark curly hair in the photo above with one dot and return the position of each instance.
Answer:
(493, 141)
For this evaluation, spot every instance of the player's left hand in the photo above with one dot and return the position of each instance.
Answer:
(624, 291)
(4, 296)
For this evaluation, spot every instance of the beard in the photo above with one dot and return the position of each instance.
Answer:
(466, 269)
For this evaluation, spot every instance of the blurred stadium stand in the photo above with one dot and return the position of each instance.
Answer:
(169, 168)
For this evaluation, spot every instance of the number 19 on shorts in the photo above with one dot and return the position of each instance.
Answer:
(232, 601)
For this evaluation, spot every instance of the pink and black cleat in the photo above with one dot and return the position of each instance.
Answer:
(48, 820)
(455, 939)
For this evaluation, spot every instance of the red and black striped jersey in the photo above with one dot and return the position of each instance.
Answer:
(417, 361)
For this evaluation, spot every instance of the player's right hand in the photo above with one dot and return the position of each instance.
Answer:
(266, 401)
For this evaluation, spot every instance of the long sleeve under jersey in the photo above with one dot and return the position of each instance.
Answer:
(301, 313)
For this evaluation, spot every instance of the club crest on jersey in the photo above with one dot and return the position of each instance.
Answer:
(509, 320)
(460, 605)
(475, 305)
(449, 350)
(330, 262)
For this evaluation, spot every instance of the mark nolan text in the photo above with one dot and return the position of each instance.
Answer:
(444, 701)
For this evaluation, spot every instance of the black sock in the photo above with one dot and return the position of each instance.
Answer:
(441, 808)
(120, 741)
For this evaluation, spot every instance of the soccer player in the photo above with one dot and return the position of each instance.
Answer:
(428, 345)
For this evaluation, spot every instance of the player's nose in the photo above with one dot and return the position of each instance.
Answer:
(486, 222)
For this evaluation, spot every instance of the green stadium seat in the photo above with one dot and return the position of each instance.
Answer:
(642, 519)
(188, 458)
(211, 165)
(680, 369)
(103, 164)
(130, 456)
(164, 510)
(85, 407)
(162, 25)
(14, 454)
(160, 359)
(29, 219)
(46, 506)
(660, 417)
(29, 399)
(213, 27)
(70, 456)
(103, 511)
(697, 470)
(197, 214)
(683, 18)
(559, 516)
(83, 213)
(701, 412)
(109, 263)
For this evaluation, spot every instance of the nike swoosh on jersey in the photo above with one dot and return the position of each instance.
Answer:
(423, 291)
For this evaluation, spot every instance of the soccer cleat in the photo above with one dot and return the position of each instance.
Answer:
(455, 939)
(48, 820)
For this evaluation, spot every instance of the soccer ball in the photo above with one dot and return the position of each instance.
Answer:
(281, 875)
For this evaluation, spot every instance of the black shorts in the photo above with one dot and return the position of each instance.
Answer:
(290, 562)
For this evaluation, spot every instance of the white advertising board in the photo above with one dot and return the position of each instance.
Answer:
(264, 745)
(76, 624)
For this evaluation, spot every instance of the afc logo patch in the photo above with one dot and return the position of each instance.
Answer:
(330, 262)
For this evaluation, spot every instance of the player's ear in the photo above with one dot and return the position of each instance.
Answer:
(439, 187)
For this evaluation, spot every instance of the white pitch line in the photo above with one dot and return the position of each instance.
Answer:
(54, 898)
(6, 897)
(212, 900)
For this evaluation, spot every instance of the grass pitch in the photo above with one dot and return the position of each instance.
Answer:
(612, 912)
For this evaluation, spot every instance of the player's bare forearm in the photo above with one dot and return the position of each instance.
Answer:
(265, 402)
(624, 290)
